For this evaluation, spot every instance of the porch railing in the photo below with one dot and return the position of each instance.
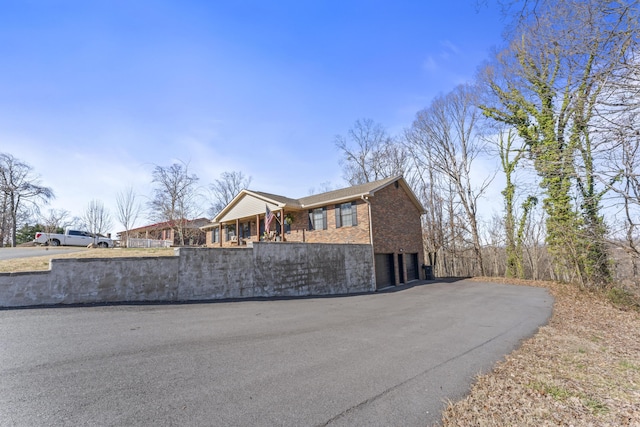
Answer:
(148, 243)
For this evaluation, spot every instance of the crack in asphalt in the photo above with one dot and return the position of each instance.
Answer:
(397, 386)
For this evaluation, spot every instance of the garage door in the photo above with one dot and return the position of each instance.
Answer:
(412, 267)
(384, 270)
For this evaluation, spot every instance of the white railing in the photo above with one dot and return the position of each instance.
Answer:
(148, 243)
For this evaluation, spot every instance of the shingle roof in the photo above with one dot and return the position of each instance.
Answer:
(277, 198)
(316, 200)
(346, 193)
(329, 196)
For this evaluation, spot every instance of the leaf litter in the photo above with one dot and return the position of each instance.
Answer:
(581, 369)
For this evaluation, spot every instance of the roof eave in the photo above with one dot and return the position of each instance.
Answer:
(209, 226)
(337, 200)
(241, 194)
(412, 196)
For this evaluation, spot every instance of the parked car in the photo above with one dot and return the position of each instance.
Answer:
(73, 238)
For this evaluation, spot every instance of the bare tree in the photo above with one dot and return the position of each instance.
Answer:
(445, 136)
(54, 220)
(428, 187)
(223, 190)
(495, 248)
(324, 187)
(531, 235)
(618, 122)
(20, 194)
(176, 197)
(369, 153)
(510, 158)
(549, 84)
(96, 218)
(128, 210)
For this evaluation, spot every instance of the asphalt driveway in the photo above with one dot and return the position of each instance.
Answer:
(380, 359)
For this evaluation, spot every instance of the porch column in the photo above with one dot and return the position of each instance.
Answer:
(220, 235)
(238, 232)
(282, 225)
(258, 227)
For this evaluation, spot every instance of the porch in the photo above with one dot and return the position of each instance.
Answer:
(245, 231)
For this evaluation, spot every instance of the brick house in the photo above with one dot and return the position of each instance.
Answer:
(167, 231)
(384, 213)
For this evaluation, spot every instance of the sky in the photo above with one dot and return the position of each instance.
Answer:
(95, 94)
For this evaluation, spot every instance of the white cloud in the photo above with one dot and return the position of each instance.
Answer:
(449, 47)
(429, 64)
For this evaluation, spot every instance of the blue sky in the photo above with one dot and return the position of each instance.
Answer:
(93, 94)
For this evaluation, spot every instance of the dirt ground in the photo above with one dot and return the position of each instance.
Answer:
(582, 369)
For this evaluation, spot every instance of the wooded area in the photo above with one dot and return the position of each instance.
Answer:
(558, 106)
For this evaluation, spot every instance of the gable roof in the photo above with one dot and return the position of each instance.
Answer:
(249, 202)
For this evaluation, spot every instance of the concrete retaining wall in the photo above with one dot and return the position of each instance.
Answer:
(266, 270)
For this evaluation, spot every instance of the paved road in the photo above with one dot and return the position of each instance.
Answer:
(10, 253)
(369, 360)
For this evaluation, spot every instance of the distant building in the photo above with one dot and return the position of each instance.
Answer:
(168, 232)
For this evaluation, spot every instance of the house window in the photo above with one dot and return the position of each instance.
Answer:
(230, 231)
(346, 215)
(215, 235)
(245, 230)
(318, 219)
(288, 220)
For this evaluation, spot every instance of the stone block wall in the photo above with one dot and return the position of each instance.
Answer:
(266, 270)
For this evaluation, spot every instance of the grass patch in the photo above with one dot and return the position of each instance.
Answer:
(623, 298)
(595, 407)
(561, 394)
(595, 338)
(625, 364)
(557, 392)
(41, 262)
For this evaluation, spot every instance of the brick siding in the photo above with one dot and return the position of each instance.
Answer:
(355, 234)
(396, 228)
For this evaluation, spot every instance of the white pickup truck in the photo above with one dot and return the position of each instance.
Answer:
(73, 238)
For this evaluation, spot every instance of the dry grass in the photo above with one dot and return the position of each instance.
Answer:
(582, 369)
(41, 263)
